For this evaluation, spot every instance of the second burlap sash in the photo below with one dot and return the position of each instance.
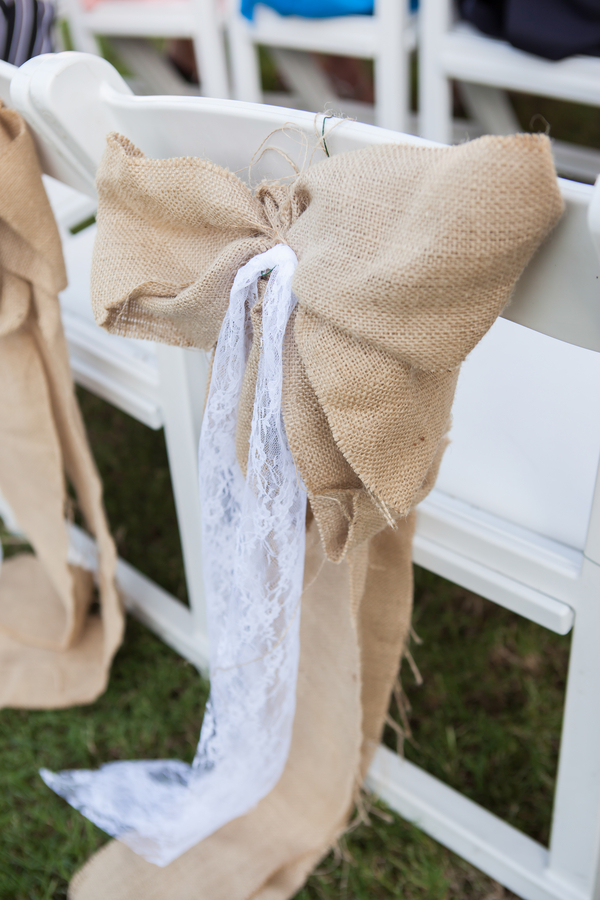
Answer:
(406, 257)
(55, 651)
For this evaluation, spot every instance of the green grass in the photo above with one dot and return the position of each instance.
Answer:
(486, 720)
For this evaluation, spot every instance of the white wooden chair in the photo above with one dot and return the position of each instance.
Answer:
(486, 68)
(521, 528)
(138, 377)
(199, 20)
(387, 37)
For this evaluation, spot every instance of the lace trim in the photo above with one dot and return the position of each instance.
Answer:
(253, 540)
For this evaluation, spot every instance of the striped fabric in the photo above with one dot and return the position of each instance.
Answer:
(25, 29)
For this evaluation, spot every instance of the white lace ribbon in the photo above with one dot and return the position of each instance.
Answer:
(253, 551)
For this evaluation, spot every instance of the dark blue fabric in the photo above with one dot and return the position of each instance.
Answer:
(553, 29)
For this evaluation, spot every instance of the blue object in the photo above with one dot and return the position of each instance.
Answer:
(312, 9)
(317, 9)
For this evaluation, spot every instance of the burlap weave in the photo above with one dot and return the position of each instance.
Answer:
(53, 653)
(406, 257)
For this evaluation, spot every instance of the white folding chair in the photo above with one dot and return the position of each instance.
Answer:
(199, 20)
(521, 527)
(387, 37)
(138, 377)
(486, 68)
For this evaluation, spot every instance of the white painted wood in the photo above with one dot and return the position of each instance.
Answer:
(573, 161)
(490, 107)
(183, 384)
(483, 839)
(162, 613)
(305, 78)
(559, 295)
(592, 546)
(435, 89)
(594, 220)
(6, 73)
(152, 73)
(553, 614)
(112, 372)
(387, 37)
(464, 531)
(55, 159)
(575, 837)
(523, 444)
(199, 20)
(471, 56)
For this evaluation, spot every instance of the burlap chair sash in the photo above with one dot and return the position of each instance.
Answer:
(406, 255)
(53, 653)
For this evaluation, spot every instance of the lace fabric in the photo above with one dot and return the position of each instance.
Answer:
(253, 543)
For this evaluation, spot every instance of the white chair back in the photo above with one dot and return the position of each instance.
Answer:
(515, 516)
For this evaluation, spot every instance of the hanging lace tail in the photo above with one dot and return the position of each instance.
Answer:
(253, 552)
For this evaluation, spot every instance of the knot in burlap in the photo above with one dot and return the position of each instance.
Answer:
(406, 257)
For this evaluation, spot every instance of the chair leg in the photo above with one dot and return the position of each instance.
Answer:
(392, 66)
(305, 79)
(490, 106)
(575, 838)
(183, 377)
(245, 68)
(209, 49)
(392, 90)
(83, 39)
(435, 91)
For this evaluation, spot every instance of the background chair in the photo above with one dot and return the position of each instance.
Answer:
(515, 515)
(122, 20)
(486, 68)
(387, 37)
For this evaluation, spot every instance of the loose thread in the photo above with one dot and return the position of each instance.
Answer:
(287, 129)
(403, 731)
(418, 640)
(323, 141)
(385, 510)
(543, 120)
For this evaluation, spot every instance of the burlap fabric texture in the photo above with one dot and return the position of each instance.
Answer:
(406, 257)
(53, 652)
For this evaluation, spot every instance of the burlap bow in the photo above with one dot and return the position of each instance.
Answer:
(406, 257)
(53, 653)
